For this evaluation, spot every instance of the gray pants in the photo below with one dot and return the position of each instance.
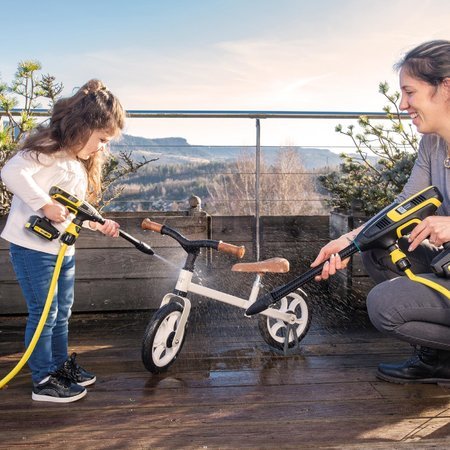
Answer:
(405, 309)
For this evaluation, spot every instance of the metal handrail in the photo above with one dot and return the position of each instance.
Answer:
(256, 115)
(136, 113)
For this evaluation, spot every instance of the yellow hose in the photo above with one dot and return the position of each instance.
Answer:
(429, 283)
(397, 255)
(42, 320)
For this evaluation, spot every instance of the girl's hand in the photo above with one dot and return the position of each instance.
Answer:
(55, 211)
(329, 253)
(435, 228)
(109, 228)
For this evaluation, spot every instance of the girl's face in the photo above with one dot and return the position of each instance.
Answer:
(427, 105)
(97, 142)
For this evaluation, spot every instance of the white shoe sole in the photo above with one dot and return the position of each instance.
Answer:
(49, 398)
(88, 382)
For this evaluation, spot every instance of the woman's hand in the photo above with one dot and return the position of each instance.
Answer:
(55, 211)
(329, 253)
(109, 228)
(435, 228)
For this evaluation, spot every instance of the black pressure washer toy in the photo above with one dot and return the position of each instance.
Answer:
(382, 231)
(441, 262)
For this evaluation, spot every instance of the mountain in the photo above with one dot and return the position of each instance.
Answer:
(176, 150)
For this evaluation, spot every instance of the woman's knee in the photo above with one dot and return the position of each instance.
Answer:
(381, 307)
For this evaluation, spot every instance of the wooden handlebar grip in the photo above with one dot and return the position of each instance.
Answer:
(238, 251)
(147, 224)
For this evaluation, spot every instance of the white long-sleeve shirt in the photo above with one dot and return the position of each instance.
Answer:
(30, 178)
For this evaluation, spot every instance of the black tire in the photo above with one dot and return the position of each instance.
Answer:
(274, 331)
(158, 349)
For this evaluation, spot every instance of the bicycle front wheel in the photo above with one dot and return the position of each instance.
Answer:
(159, 350)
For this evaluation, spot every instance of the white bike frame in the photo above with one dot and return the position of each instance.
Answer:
(185, 284)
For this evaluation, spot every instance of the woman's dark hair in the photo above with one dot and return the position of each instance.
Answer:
(428, 62)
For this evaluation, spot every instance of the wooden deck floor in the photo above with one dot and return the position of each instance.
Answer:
(226, 390)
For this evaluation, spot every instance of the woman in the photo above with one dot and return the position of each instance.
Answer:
(67, 153)
(396, 305)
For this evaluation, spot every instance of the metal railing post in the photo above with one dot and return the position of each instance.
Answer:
(257, 184)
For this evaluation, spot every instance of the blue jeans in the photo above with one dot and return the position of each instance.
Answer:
(34, 272)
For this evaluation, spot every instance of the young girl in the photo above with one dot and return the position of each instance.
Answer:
(398, 306)
(66, 153)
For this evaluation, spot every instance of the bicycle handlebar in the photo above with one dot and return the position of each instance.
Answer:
(147, 224)
(235, 250)
(192, 245)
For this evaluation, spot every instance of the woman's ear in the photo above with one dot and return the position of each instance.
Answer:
(446, 85)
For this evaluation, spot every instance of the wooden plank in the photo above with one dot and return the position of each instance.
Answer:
(232, 414)
(110, 263)
(352, 408)
(288, 229)
(220, 426)
(11, 299)
(233, 229)
(225, 437)
(99, 295)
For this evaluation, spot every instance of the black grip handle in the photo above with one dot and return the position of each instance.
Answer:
(142, 246)
(440, 264)
(277, 294)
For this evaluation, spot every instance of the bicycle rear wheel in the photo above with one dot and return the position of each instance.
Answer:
(274, 331)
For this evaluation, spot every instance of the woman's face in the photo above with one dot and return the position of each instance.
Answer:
(427, 105)
(97, 142)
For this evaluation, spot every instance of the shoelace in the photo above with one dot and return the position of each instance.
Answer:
(70, 369)
(72, 365)
(415, 357)
(61, 379)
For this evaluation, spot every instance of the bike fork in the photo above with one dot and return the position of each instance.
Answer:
(184, 280)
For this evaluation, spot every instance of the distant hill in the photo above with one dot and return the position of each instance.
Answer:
(176, 150)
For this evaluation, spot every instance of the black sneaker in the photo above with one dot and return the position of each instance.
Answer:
(57, 389)
(71, 370)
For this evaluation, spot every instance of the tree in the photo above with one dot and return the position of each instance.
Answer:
(115, 169)
(233, 193)
(25, 91)
(289, 188)
(285, 187)
(374, 183)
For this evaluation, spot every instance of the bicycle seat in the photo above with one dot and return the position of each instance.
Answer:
(272, 265)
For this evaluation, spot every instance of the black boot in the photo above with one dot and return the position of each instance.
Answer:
(428, 365)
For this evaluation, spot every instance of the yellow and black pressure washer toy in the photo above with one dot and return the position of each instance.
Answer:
(382, 231)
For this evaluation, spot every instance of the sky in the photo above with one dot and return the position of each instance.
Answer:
(265, 55)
